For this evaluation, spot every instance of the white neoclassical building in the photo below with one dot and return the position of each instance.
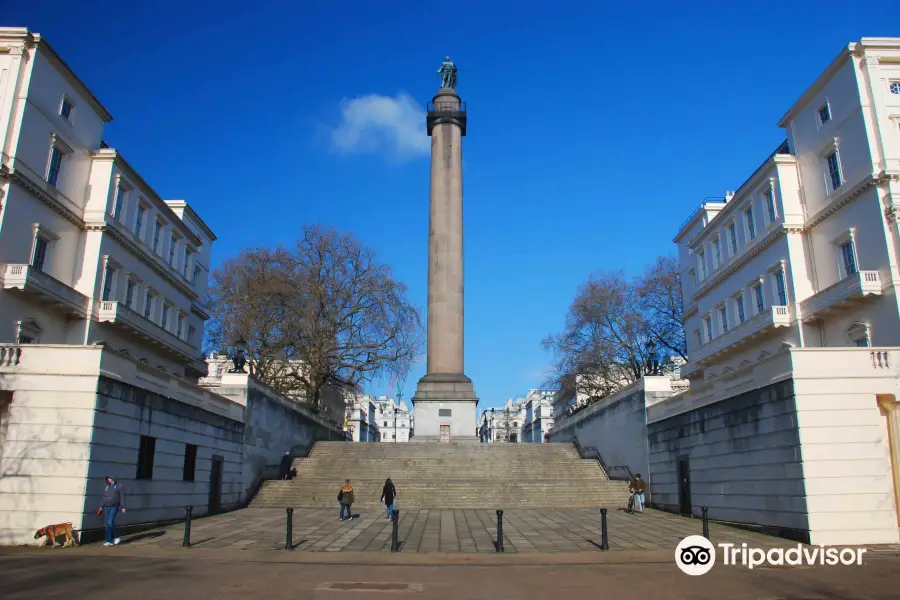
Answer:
(395, 420)
(538, 416)
(102, 286)
(792, 319)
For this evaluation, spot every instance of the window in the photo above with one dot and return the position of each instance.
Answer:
(120, 202)
(190, 462)
(148, 305)
(760, 299)
(108, 279)
(699, 337)
(739, 301)
(184, 267)
(770, 203)
(848, 258)
(895, 87)
(824, 114)
(65, 111)
(129, 293)
(172, 251)
(780, 288)
(180, 329)
(701, 258)
(859, 335)
(191, 333)
(139, 220)
(723, 315)
(732, 233)
(393, 436)
(39, 256)
(165, 316)
(707, 324)
(444, 412)
(157, 226)
(717, 247)
(146, 453)
(24, 339)
(196, 274)
(834, 170)
(385, 423)
(751, 227)
(56, 157)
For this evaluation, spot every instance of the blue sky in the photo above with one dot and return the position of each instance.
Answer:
(593, 130)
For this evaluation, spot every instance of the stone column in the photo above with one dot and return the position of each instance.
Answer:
(445, 396)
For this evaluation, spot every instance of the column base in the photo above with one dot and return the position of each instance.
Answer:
(442, 401)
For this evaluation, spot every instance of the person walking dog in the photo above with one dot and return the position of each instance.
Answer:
(113, 502)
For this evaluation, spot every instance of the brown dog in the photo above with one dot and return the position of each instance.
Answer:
(52, 531)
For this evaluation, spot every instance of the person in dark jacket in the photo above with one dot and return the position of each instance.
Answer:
(113, 502)
(286, 465)
(345, 497)
(388, 494)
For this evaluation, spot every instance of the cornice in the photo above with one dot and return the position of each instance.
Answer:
(142, 255)
(732, 267)
(46, 197)
(839, 201)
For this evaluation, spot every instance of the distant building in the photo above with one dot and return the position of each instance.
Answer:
(538, 416)
(361, 421)
(520, 420)
(395, 420)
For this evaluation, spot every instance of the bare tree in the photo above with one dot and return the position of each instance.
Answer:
(661, 303)
(320, 315)
(604, 343)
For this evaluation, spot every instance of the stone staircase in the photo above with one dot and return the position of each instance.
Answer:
(473, 476)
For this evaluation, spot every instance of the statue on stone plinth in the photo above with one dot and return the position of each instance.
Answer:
(448, 73)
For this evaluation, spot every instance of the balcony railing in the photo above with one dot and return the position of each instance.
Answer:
(49, 290)
(841, 295)
(733, 339)
(446, 112)
(118, 313)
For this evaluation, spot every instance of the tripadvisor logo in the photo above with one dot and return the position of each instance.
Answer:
(696, 555)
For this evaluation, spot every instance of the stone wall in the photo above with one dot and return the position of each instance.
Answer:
(124, 413)
(617, 426)
(745, 460)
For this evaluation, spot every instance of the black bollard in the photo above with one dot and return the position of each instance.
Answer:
(187, 528)
(500, 531)
(705, 521)
(395, 543)
(604, 535)
(289, 530)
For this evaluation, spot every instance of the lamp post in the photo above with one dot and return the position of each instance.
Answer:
(491, 428)
(652, 363)
(396, 410)
(238, 356)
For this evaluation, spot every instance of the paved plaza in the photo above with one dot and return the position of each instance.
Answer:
(444, 531)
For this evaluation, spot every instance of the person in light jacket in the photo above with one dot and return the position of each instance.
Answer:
(388, 494)
(113, 502)
(345, 497)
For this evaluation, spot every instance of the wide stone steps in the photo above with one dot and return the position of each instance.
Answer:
(482, 476)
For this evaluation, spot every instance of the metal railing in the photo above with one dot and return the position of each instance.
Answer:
(446, 107)
(615, 472)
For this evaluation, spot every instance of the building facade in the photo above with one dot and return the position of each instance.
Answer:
(793, 324)
(102, 287)
(394, 418)
(538, 416)
(361, 422)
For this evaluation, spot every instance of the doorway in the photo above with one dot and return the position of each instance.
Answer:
(215, 484)
(684, 486)
(445, 434)
(890, 410)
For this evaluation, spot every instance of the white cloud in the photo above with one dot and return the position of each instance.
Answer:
(376, 123)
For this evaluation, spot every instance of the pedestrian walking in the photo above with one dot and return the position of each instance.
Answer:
(637, 488)
(113, 502)
(345, 497)
(388, 495)
(285, 469)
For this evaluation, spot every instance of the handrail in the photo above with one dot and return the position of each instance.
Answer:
(614, 472)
